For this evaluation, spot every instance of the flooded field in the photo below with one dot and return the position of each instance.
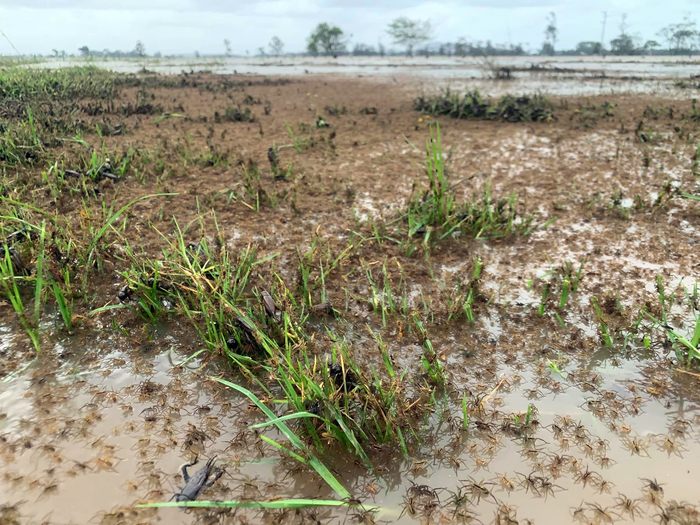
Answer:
(574, 75)
(358, 311)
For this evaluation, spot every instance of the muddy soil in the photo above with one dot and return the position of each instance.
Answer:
(563, 428)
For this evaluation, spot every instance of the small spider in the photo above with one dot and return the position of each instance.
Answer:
(653, 485)
(628, 506)
(605, 486)
(530, 482)
(506, 483)
(588, 476)
(636, 446)
(579, 513)
(547, 487)
(602, 514)
(478, 490)
(606, 462)
(506, 515)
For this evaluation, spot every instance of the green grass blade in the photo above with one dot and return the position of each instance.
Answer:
(294, 503)
(296, 415)
(313, 461)
(114, 217)
(281, 447)
(39, 280)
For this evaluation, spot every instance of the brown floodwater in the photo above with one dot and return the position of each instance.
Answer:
(89, 431)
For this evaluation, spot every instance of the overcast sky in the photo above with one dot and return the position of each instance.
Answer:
(183, 26)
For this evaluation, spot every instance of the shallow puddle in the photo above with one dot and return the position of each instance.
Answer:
(87, 437)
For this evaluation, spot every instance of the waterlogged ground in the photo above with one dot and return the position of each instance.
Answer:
(575, 75)
(561, 427)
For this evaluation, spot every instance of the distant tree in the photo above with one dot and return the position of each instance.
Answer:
(261, 51)
(196, 54)
(227, 47)
(681, 37)
(650, 46)
(84, 51)
(461, 47)
(409, 33)
(624, 43)
(588, 47)
(139, 49)
(550, 35)
(516, 49)
(363, 50)
(448, 48)
(276, 46)
(326, 39)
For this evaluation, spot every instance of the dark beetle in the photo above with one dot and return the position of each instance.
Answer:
(347, 380)
(270, 306)
(247, 335)
(323, 309)
(124, 293)
(273, 158)
(203, 478)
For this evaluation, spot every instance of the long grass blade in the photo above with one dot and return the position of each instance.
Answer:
(295, 503)
(313, 461)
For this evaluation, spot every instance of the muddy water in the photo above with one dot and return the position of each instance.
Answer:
(554, 75)
(87, 434)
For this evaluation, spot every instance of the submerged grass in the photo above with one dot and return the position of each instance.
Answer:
(308, 458)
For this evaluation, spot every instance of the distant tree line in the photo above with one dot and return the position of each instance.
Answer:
(681, 38)
(138, 51)
(416, 37)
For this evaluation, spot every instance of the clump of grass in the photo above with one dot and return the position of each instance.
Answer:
(20, 142)
(464, 296)
(437, 208)
(28, 84)
(315, 265)
(473, 105)
(386, 297)
(299, 452)
(587, 115)
(432, 365)
(253, 191)
(556, 288)
(235, 114)
(11, 291)
(267, 336)
(203, 282)
(684, 338)
(300, 142)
